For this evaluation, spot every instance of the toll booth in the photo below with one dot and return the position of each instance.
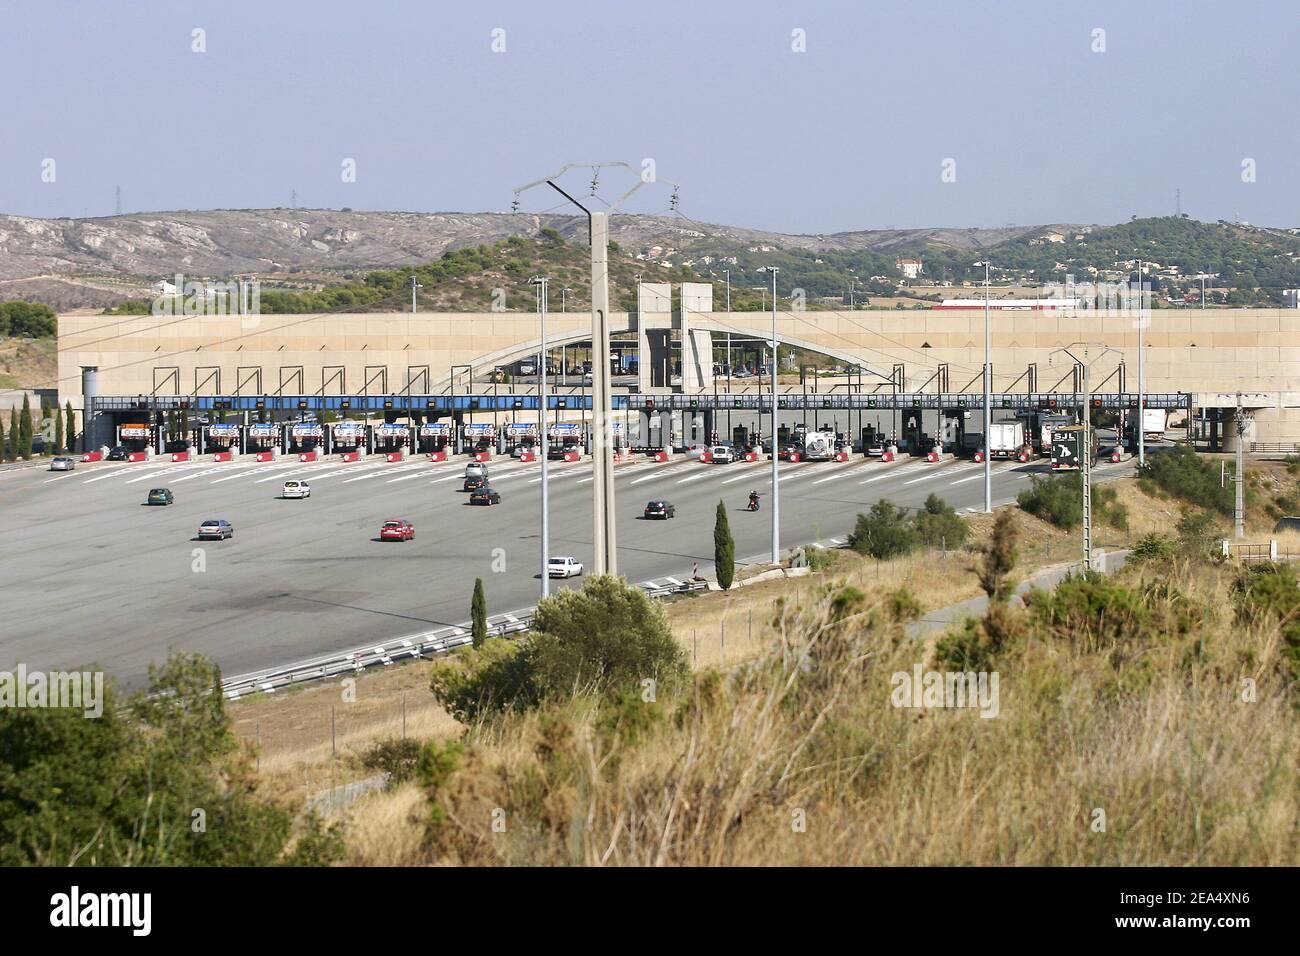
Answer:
(306, 437)
(563, 438)
(433, 437)
(136, 436)
(618, 438)
(392, 437)
(520, 437)
(262, 437)
(740, 438)
(347, 437)
(476, 437)
(219, 437)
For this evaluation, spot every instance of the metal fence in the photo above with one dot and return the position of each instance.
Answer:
(1254, 553)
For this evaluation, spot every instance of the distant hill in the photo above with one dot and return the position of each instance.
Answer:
(94, 263)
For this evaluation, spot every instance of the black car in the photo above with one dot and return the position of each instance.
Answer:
(160, 496)
(483, 495)
(475, 482)
(118, 454)
(660, 509)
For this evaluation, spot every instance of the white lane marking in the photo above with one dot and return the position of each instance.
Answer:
(892, 473)
(58, 477)
(674, 582)
(980, 474)
(584, 480)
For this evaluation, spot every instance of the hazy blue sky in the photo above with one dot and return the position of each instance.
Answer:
(849, 134)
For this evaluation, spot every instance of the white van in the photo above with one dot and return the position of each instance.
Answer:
(296, 489)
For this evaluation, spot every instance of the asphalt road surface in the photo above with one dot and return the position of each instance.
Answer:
(89, 574)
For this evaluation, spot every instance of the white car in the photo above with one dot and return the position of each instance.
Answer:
(296, 489)
(722, 454)
(563, 567)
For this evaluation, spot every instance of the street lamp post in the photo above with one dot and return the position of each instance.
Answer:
(988, 398)
(776, 487)
(542, 282)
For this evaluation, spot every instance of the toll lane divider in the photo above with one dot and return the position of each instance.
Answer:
(381, 654)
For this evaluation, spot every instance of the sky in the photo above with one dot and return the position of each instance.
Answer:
(801, 117)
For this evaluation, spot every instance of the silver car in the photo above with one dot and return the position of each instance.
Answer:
(218, 528)
(62, 464)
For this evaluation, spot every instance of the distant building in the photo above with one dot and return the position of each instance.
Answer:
(911, 268)
(1011, 305)
(1291, 298)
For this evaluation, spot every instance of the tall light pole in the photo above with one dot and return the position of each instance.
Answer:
(776, 478)
(988, 397)
(604, 522)
(542, 282)
(414, 285)
(727, 273)
(1142, 405)
(1085, 444)
(564, 299)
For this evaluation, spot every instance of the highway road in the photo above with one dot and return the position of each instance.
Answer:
(89, 574)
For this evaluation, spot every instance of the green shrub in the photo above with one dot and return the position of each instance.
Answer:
(1154, 547)
(608, 636)
(1184, 474)
(395, 757)
(156, 780)
(1090, 610)
(1271, 592)
(938, 525)
(1197, 533)
(1057, 499)
(885, 532)
(1105, 500)
(478, 681)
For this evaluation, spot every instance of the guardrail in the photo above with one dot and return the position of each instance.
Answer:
(1273, 448)
(384, 653)
(1258, 553)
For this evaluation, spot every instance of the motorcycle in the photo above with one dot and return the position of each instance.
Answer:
(753, 505)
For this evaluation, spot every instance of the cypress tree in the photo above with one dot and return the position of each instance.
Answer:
(25, 428)
(70, 427)
(478, 614)
(58, 434)
(4, 451)
(724, 548)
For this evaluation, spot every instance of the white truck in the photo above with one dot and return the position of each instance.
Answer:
(1153, 422)
(1006, 438)
(1046, 424)
(819, 446)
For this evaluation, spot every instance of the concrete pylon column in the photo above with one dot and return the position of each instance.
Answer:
(90, 421)
(666, 429)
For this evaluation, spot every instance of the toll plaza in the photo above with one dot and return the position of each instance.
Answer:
(477, 437)
(391, 438)
(564, 439)
(433, 437)
(305, 437)
(262, 438)
(519, 438)
(218, 437)
(138, 437)
(348, 437)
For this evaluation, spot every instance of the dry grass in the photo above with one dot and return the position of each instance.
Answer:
(799, 758)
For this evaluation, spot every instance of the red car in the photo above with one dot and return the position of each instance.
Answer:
(397, 529)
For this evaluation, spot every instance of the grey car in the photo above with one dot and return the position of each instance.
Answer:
(218, 528)
(62, 464)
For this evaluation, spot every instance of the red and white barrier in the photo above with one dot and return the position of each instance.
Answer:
(887, 456)
(841, 455)
(571, 456)
(661, 456)
(136, 456)
(751, 456)
(437, 456)
(393, 456)
(482, 456)
(527, 456)
(92, 456)
(307, 456)
(1114, 457)
(352, 456)
(222, 456)
(706, 456)
(979, 457)
(181, 456)
(1022, 457)
(932, 455)
(266, 456)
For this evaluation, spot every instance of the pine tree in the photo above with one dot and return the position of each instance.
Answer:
(724, 548)
(478, 614)
(70, 427)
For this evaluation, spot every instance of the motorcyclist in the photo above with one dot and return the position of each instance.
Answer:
(753, 501)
